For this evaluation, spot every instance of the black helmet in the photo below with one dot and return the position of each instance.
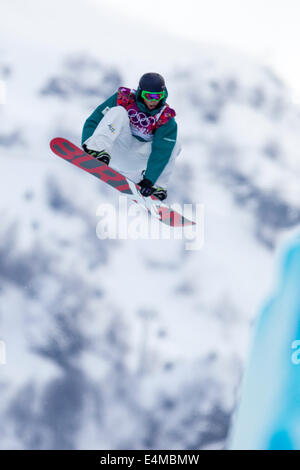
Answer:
(152, 82)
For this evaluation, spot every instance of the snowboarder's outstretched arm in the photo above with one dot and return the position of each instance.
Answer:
(92, 122)
(162, 147)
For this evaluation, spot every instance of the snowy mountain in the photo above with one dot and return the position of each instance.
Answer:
(115, 344)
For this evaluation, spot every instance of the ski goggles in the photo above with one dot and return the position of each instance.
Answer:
(150, 96)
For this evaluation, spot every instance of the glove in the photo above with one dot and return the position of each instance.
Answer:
(89, 151)
(102, 156)
(145, 187)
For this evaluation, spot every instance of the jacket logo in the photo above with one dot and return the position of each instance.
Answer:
(111, 128)
(140, 118)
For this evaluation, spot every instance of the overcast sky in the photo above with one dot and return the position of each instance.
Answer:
(267, 29)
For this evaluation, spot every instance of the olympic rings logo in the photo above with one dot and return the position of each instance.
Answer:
(140, 118)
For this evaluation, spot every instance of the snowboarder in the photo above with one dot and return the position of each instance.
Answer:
(137, 130)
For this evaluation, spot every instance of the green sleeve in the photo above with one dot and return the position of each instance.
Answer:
(163, 143)
(92, 122)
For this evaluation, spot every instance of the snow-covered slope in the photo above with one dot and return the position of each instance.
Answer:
(131, 343)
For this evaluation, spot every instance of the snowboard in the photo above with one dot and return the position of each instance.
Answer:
(73, 154)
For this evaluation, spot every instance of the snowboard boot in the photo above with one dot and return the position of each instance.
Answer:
(160, 193)
(102, 156)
